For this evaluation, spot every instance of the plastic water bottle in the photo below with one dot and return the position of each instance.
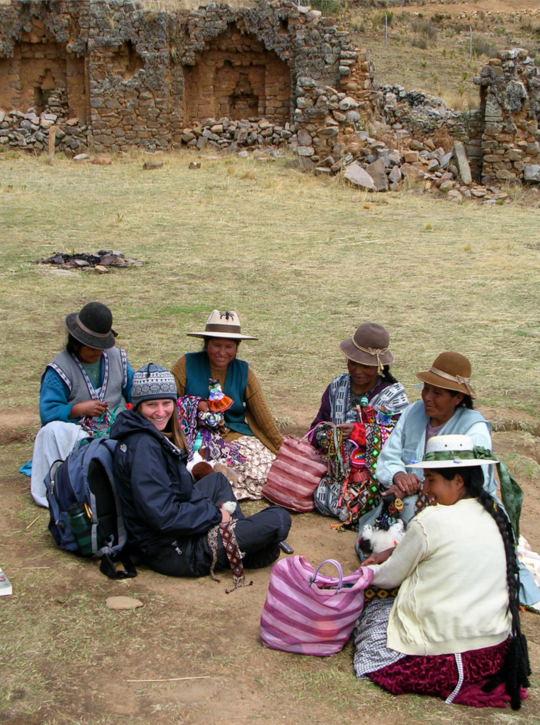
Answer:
(80, 520)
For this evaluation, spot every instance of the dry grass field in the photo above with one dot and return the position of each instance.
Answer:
(303, 261)
(429, 43)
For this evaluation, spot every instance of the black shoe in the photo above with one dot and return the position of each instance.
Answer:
(263, 557)
(285, 547)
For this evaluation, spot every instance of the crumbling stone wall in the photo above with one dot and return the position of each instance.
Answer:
(506, 126)
(125, 76)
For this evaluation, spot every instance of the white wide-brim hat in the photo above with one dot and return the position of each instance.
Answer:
(222, 324)
(454, 451)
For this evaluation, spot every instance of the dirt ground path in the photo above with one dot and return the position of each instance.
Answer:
(66, 658)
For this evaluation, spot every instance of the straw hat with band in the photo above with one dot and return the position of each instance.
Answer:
(453, 451)
(369, 346)
(222, 324)
(450, 371)
(92, 326)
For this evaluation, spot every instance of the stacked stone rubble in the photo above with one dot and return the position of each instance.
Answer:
(508, 125)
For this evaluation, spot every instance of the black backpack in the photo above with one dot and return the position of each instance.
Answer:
(84, 507)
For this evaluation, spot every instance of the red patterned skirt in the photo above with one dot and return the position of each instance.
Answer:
(438, 676)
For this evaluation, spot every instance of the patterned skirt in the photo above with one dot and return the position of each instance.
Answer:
(253, 473)
(453, 678)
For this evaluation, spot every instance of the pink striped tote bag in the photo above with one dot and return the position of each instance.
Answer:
(294, 475)
(308, 613)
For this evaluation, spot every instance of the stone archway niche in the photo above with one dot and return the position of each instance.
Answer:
(238, 78)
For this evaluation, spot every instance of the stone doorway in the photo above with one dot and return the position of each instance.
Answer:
(238, 78)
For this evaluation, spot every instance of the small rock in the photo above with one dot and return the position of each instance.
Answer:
(72, 121)
(243, 154)
(462, 162)
(377, 171)
(305, 151)
(531, 173)
(395, 174)
(455, 195)
(416, 145)
(81, 157)
(196, 164)
(348, 104)
(359, 177)
(305, 163)
(149, 165)
(433, 165)
(101, 269)
(323, 171)
(102, 161)
(304, 138)
(445, 160)
(123, 602)
(479, 192)
(446, 185)
(410, 157)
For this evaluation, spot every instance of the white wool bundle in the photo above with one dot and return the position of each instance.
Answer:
(229, 506)
(381, 540)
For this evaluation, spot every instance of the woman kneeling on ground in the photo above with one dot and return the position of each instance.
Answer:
(453, 629)
(248, 422)
(446, 408)
(172, 523)
(80, 389)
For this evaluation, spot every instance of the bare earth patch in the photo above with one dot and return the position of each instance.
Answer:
(303, 261)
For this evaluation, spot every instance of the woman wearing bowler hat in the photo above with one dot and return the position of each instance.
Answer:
(80, 386)
(368, 377)
(446, 408)
(367, 382)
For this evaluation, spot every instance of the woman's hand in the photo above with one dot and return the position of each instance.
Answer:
(346, 430)
(409, 483)
(395, 490)
(379, 558)
(91, 408)
(225, 516)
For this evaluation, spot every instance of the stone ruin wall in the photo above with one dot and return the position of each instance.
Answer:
(109, 75)
(112, 75)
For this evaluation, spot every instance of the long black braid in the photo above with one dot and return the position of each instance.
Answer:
(516, 668)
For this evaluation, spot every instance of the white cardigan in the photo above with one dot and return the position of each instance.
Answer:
(451, 566)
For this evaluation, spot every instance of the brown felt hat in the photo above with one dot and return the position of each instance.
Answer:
(450, 371)
(368, 346)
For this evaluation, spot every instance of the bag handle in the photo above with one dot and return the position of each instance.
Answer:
(338, 567)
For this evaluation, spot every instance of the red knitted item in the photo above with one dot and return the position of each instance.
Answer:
(437, 675)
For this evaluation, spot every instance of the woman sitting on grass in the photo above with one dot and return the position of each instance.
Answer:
(368, 382)
(248, 422)
(446, 408)
(178, 527)
(79, 389)
(453, 629)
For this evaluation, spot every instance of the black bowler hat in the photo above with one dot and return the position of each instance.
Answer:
(92, 326)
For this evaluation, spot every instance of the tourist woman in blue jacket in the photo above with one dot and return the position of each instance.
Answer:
(171, 521)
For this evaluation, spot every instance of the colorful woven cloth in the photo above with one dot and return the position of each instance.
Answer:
(215, 448)
(234, 555)
(352, 464)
